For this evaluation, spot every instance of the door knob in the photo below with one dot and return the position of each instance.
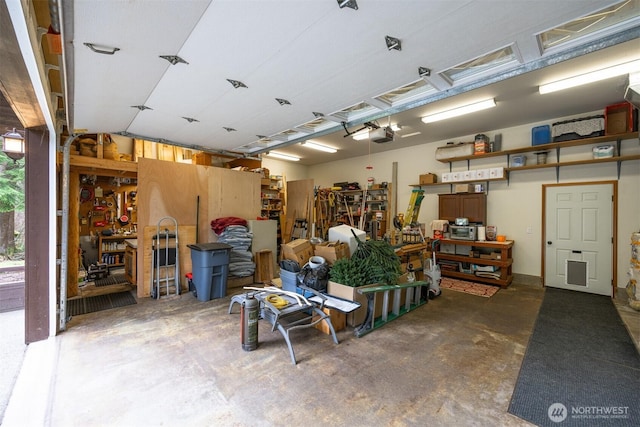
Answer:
(549, 242)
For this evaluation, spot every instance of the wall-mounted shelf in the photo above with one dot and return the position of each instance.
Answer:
(557, 146)
(471, 181)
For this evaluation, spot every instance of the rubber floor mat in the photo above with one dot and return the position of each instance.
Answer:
(114, 279)
(87, 305)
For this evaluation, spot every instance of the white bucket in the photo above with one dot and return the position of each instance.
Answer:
(316, 261)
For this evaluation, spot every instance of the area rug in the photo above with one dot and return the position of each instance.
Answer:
(581, 367)
(472, 288)
(87, 305)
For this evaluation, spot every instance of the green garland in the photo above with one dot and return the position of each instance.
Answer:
(373, 261)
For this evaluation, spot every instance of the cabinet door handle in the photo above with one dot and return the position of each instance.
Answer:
(576, 252)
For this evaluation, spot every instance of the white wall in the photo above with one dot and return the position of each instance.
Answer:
(512, 206)
(291, 171)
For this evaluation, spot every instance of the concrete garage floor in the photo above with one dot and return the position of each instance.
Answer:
(178, 361)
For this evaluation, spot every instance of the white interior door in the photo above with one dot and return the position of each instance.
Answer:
(579, 238)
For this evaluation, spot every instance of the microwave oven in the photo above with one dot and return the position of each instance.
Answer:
(463, 232)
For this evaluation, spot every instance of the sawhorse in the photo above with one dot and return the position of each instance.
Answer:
(412, 300)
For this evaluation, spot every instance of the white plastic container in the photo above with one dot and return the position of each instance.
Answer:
(343, 234)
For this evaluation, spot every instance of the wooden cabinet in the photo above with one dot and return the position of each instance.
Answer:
(494, 254)
(463, 205)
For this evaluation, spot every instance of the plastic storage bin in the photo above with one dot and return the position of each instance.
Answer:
(210, 267)
(541, 135)
(289, 279)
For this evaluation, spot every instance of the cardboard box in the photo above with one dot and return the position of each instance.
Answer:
(428, 178)
(618, 118)
(338, 321)
(482, 174)
(496, 173)
(350, 294)
(481, 147)
(298, 250)
(463, 188)
(470, 175)
(332, 251)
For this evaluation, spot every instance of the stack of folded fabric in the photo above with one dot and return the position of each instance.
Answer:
(240, 258)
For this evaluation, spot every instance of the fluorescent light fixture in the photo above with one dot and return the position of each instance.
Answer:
(362, 135)
(319, 147)
(410, 134)
(396, 128)
(594, 76)
(282, 156)
(459, 111)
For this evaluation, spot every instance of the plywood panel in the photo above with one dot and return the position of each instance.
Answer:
(233, 193)
(299, 202)
(172, 189)
(166, 189)
(186, 236)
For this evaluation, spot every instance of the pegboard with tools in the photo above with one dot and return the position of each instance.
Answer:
(107, 203)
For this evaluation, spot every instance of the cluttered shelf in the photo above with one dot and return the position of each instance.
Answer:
(548, 146)
(483, 261)
(576, 162)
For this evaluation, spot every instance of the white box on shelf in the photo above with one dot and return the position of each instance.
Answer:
(482, 174)
(446, 177)
(496, 173)
(455, 176)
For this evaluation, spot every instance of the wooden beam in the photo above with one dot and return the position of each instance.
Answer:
(15, 83)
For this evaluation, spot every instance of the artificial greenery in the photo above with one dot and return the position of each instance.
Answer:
(374, 261)
(348, 273)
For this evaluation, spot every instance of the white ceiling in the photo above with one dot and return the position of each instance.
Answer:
(321, 58)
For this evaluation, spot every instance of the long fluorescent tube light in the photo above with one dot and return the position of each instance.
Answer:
(319, 147)
(283, 156)
(459, 111)
(594, 76)
(410, 134)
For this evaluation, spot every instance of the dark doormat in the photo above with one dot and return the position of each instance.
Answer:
(114, 279)
(581, 368)
(80, 306)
